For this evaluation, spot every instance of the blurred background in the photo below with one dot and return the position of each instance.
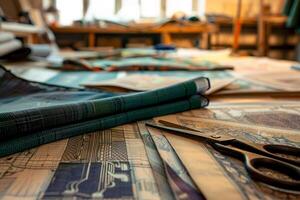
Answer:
(251, 27)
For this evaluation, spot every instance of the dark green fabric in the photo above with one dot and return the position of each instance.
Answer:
(287, 7)
(43, 137)
(34, 113)
(23, 113)
(292, 10)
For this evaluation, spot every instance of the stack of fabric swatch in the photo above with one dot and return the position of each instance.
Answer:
(12, 48)
(33, 113)
(8, 43)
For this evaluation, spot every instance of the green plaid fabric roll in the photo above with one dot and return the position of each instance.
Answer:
(34, 113)
(51, 135)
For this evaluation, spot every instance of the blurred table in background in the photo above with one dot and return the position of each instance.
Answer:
(165, 32)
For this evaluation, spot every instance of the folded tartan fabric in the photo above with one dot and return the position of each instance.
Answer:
(34, 113)
(51, 135)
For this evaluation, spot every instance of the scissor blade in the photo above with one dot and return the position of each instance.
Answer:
(170, 124)
(196, 134)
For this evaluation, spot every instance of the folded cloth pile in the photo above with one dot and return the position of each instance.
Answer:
(8, 43)
(33, 113)
(11, 48)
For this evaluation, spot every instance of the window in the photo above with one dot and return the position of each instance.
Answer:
(173, 6)
(100, 9)
(137, 9)
(130, 10)
(125, 10)
(201, 7)
(150, 8)
(69, 10)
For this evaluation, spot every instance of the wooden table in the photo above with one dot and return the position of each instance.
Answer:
(165, 31)
(263, 27)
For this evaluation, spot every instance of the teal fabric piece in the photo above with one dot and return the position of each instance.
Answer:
(142, 61)
(189, 74)
(75, 79)
(292, 10)
(287, 7)
(150, 63)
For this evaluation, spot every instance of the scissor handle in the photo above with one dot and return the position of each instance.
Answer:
(254, 164)
(280, 152)
(284, 153)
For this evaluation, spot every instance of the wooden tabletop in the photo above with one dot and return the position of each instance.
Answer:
(172, 28)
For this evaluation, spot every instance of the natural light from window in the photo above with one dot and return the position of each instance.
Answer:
(100, 9)
(173, 6)
(150, 9)
(69, 10)
(126, 10)
(129, 10)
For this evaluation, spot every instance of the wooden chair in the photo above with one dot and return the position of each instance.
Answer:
(266, 22)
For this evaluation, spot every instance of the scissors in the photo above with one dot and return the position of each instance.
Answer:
(282, 159)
